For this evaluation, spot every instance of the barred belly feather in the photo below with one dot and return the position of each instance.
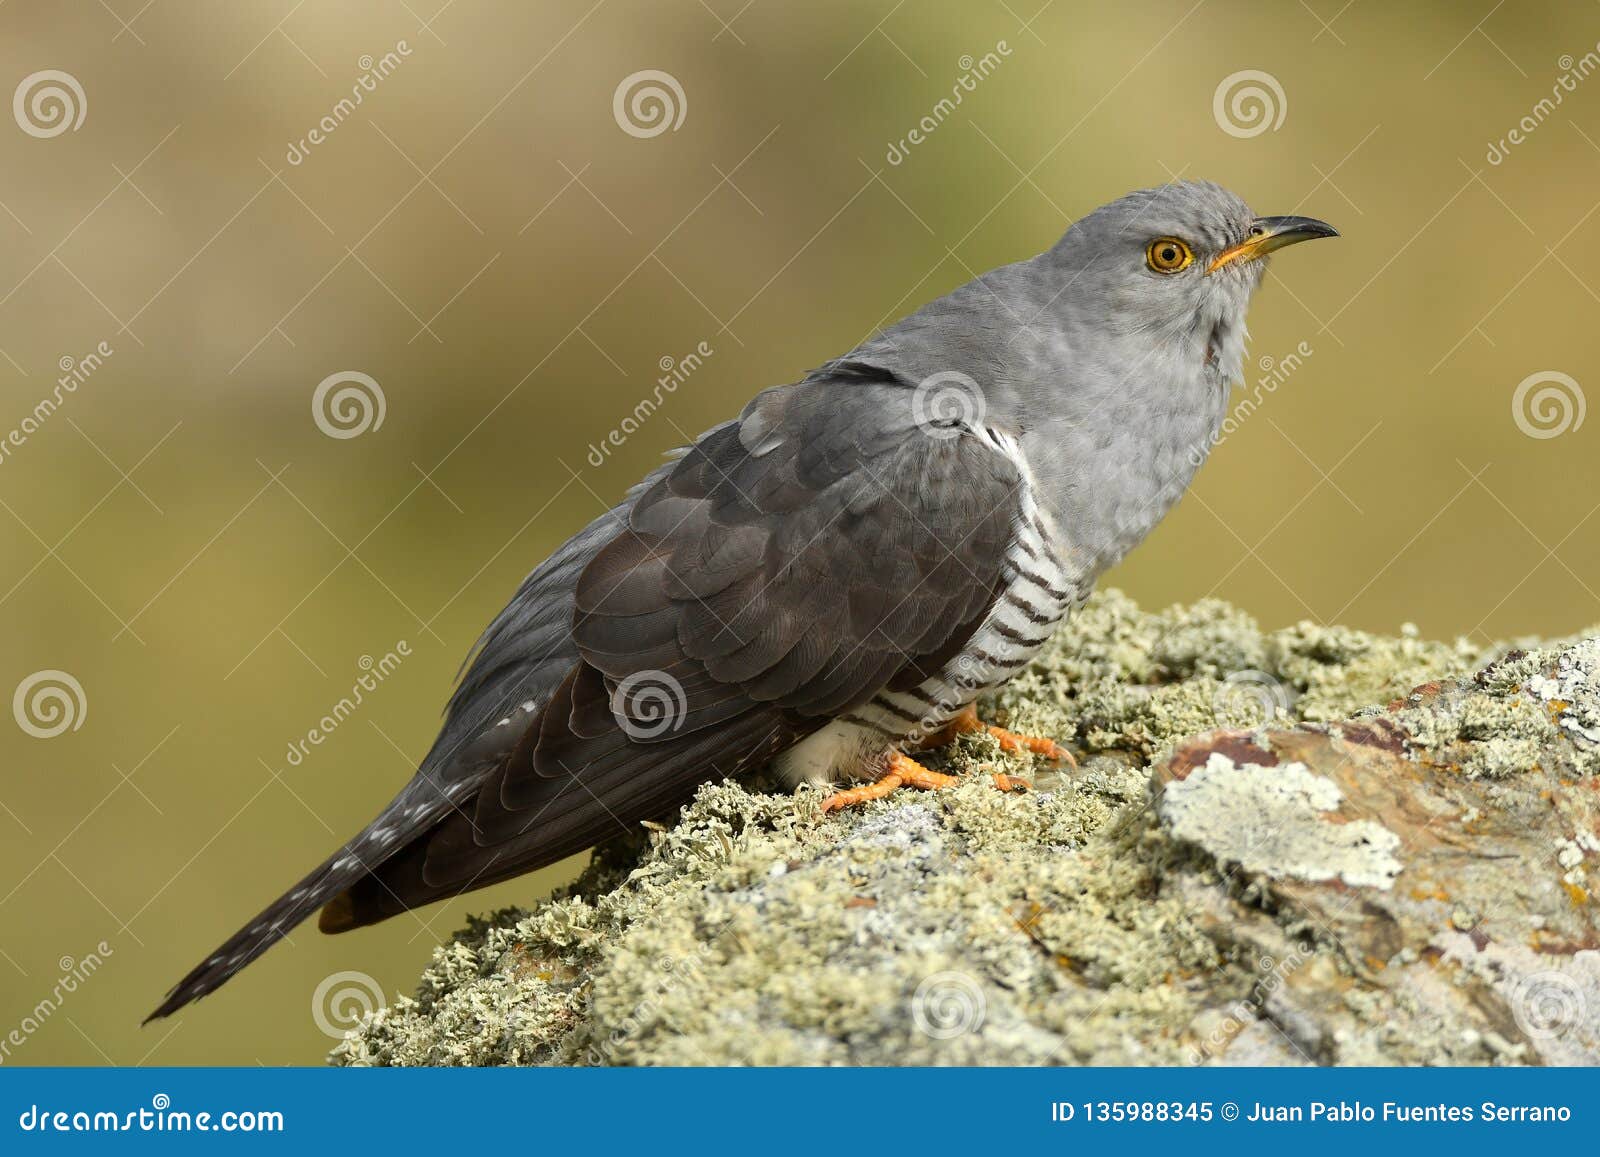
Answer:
(1040, 592)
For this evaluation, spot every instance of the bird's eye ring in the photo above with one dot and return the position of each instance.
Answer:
(1168, 255)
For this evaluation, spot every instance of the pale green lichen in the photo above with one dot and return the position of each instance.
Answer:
(1572, 692)
(963, 926)
(1120, 678)
(1272, 819)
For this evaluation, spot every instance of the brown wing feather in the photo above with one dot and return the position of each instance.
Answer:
(789, 566)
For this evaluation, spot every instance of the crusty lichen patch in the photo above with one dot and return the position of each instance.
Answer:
(1278, 820)
(1572, 692)
(1117, 677)
(1076, 923)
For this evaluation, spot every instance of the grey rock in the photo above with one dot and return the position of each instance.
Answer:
(1391, 864)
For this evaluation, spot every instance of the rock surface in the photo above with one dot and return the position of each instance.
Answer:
(1314, 846)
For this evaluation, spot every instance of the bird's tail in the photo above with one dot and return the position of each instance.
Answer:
(401, 820)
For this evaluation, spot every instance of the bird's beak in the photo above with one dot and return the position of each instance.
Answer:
(1269, 233)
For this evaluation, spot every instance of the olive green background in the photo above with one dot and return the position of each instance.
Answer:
(483, 239)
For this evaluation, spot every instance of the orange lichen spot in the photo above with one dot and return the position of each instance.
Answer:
(1577, 893)
(1027, 917)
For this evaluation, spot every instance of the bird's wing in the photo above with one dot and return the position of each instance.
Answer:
(788, 567)
(803, 555)
(785, 568)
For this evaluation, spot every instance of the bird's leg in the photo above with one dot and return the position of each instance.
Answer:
(1009, 740)
(900, 771)
(903, 771)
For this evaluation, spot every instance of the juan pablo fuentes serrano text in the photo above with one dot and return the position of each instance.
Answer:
(1487, 1112)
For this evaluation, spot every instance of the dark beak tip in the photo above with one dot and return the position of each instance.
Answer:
(1305, 227)
(1310, 227)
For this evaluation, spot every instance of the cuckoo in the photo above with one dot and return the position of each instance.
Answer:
(829, 581)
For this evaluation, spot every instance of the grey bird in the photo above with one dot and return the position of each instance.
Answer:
(832, 578)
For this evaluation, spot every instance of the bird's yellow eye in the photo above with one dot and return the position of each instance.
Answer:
(1168, 255)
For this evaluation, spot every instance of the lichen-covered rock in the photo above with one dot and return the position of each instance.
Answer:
(1273, 818)
(1311, 846)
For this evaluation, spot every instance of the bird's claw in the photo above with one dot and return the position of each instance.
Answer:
(903, 771)
(1010, 741)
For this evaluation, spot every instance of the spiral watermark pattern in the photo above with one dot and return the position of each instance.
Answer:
(648, 704)
(948, 1005)
(49, 703)
(648, 103)
(348, 404)
(946, 403)
(342, 999)
(1249, 699)
(1547, 1004)
(1248, 103)
(1548, 404)
(49, 103)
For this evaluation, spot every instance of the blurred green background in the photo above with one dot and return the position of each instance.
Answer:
(482, 237)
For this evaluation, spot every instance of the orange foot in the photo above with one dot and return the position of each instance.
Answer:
(903, 771)
(1009, 740)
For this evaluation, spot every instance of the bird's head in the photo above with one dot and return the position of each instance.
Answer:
(1145, 300)
(1167, 274)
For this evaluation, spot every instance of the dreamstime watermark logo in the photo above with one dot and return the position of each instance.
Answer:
(1248, 103)
(342, 999)
(946, 403)
(73, 972)
(49, 103)
(672, 973)
(674, 372)
(973, 71)
(373, 673)
(74, 373)
(160, 1117)
(968, 676)
(648, 103)
(1249, 699)
(348, 404)
(1548, 404)
(1271, 975)
(372, 72)
(648, 704)
(947, 1005)
(1547, 1004)
(49, 703)
(1573, 72)
(1274, 372)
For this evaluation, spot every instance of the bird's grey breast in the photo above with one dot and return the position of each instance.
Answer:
(1116, 440)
